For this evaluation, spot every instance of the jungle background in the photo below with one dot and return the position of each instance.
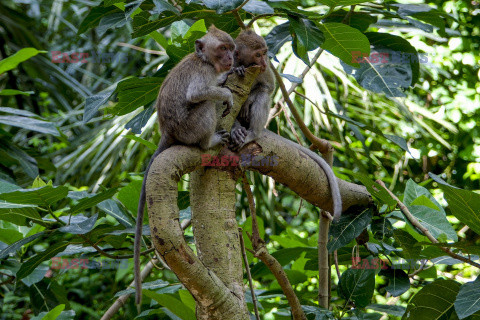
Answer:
(77, 127)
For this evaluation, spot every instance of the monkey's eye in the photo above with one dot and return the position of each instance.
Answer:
(258, 55)
(224, 48)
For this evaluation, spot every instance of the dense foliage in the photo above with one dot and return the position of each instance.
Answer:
(396, 90)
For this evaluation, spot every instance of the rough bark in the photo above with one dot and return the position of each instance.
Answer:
(212, 199)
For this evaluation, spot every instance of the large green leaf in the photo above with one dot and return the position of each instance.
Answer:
(427, 210)
(464, 204)
(398, 281)
(342, 41)
(92, 200)
(113, 208)
(134, 93)
(348, 228)
(306, 37)
(28, 266)
(468, 299)
(434, 301)
(21, 55)
(408, 244)
(43, 196)
(357, 285)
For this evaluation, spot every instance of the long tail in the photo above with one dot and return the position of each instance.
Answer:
(332, 181)
(163, 145)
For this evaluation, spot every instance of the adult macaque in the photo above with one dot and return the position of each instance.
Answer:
(252, 50)
(186, 108)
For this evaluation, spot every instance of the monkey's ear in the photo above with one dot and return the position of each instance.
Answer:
(199, 45)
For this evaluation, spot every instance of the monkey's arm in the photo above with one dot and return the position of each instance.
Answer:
(197, 91)
(256, 115)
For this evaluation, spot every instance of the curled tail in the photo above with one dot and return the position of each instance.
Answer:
(332, 181)
(163, 145)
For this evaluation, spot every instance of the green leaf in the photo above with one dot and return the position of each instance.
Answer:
(222, 6)
(162, 5)
(19, 112)
(464, 204)
(54, 313)
(258, 7)
(91, 201)
(306, 37)
(357, 285)
(375, 189)
(397, 44)
(434, 301)
(146, 143)
(134, 93)
(176, 306)
(11, 92)
(140, 120)
(398, 281)
(396, 311)
(30, 124)
(112, 21)
(20, 56)
(341, 3)
(183, 200)
(342, 41)
(277, 37)
(427, 210)
(31, 264)
(93, 103)
(81, 227)
(407, 242)
(95, 15)
(347, 228)
(130, 194)
(17, 245)
(36, 276)
(44, 196)
(10, 236)
(468, 299)
(111, 207)
(284, 257)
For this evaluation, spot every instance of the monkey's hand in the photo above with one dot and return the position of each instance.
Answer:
(228, 102)
(239, 70)
(224, 136)
(238, 137)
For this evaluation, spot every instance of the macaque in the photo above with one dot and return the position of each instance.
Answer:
(252, 50)
(186, 108)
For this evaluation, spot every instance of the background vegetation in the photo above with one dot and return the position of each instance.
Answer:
(74, 139)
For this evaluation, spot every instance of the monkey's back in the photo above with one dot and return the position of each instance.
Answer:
(172, 104)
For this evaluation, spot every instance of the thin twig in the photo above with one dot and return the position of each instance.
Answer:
(424, 230)
(261, 252)
(348, 15)
(249, 275)
(323, 145)
(112, 311)
(131, 46)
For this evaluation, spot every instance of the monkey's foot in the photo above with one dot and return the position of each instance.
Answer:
(240, 71)
(224, 137)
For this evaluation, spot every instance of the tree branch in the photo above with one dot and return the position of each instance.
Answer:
(424, 230)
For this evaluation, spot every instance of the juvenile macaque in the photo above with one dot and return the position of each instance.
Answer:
(252, 50)
(186, 108)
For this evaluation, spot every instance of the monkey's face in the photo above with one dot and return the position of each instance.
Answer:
(252, 57)
(223, 57)
(259, 58)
